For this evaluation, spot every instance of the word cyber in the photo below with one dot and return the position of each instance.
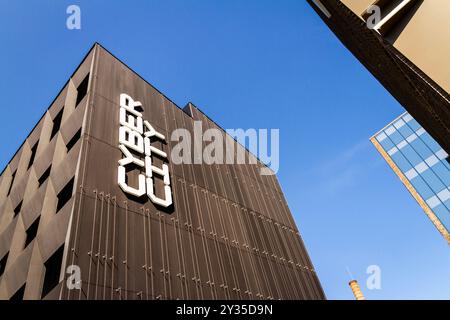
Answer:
(136, 134)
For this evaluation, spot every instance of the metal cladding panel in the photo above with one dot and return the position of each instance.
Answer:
(228, 234)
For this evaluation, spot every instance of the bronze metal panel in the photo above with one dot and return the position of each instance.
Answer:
(224, 237)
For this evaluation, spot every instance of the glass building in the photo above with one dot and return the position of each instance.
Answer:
(421, 164)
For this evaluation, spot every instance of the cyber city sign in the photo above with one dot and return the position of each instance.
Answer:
(137, 134)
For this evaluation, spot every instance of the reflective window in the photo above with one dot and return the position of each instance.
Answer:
(389, 130)
(422, 188)
(421, 148)
(444, 195)
(433, 181)
(430, 142)
(401, 162)
(443, 172)
(407, 117)
(443, 215)
(405, 131)
(396, 137)
(411, 155)
(446, 163)
(423, 162)
(414, 125)
(447, 205)
(387, 144)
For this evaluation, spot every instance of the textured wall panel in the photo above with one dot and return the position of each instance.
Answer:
(228, 235)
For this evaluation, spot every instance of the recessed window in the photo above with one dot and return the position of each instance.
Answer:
(73, 141)
(82, 90)
(3, 263)
(33, 155)
(18, 208)
(18, 296)
(45, 176)
(12, 182)
(57, 123)
(52, 271)
(32, 232)
(64, 195)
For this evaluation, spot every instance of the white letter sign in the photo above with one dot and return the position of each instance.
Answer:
(136, 134)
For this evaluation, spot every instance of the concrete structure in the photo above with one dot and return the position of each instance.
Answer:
(421, 164)
(406, 49)
(203, 231)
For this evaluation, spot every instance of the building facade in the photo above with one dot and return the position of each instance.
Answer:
(421, 164)
(92, 192)
(405, 44)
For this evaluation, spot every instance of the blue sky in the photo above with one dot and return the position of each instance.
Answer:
(251, 64)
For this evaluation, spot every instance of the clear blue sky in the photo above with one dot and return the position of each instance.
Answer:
(250, 64)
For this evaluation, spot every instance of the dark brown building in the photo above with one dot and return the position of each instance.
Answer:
(219, 231)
